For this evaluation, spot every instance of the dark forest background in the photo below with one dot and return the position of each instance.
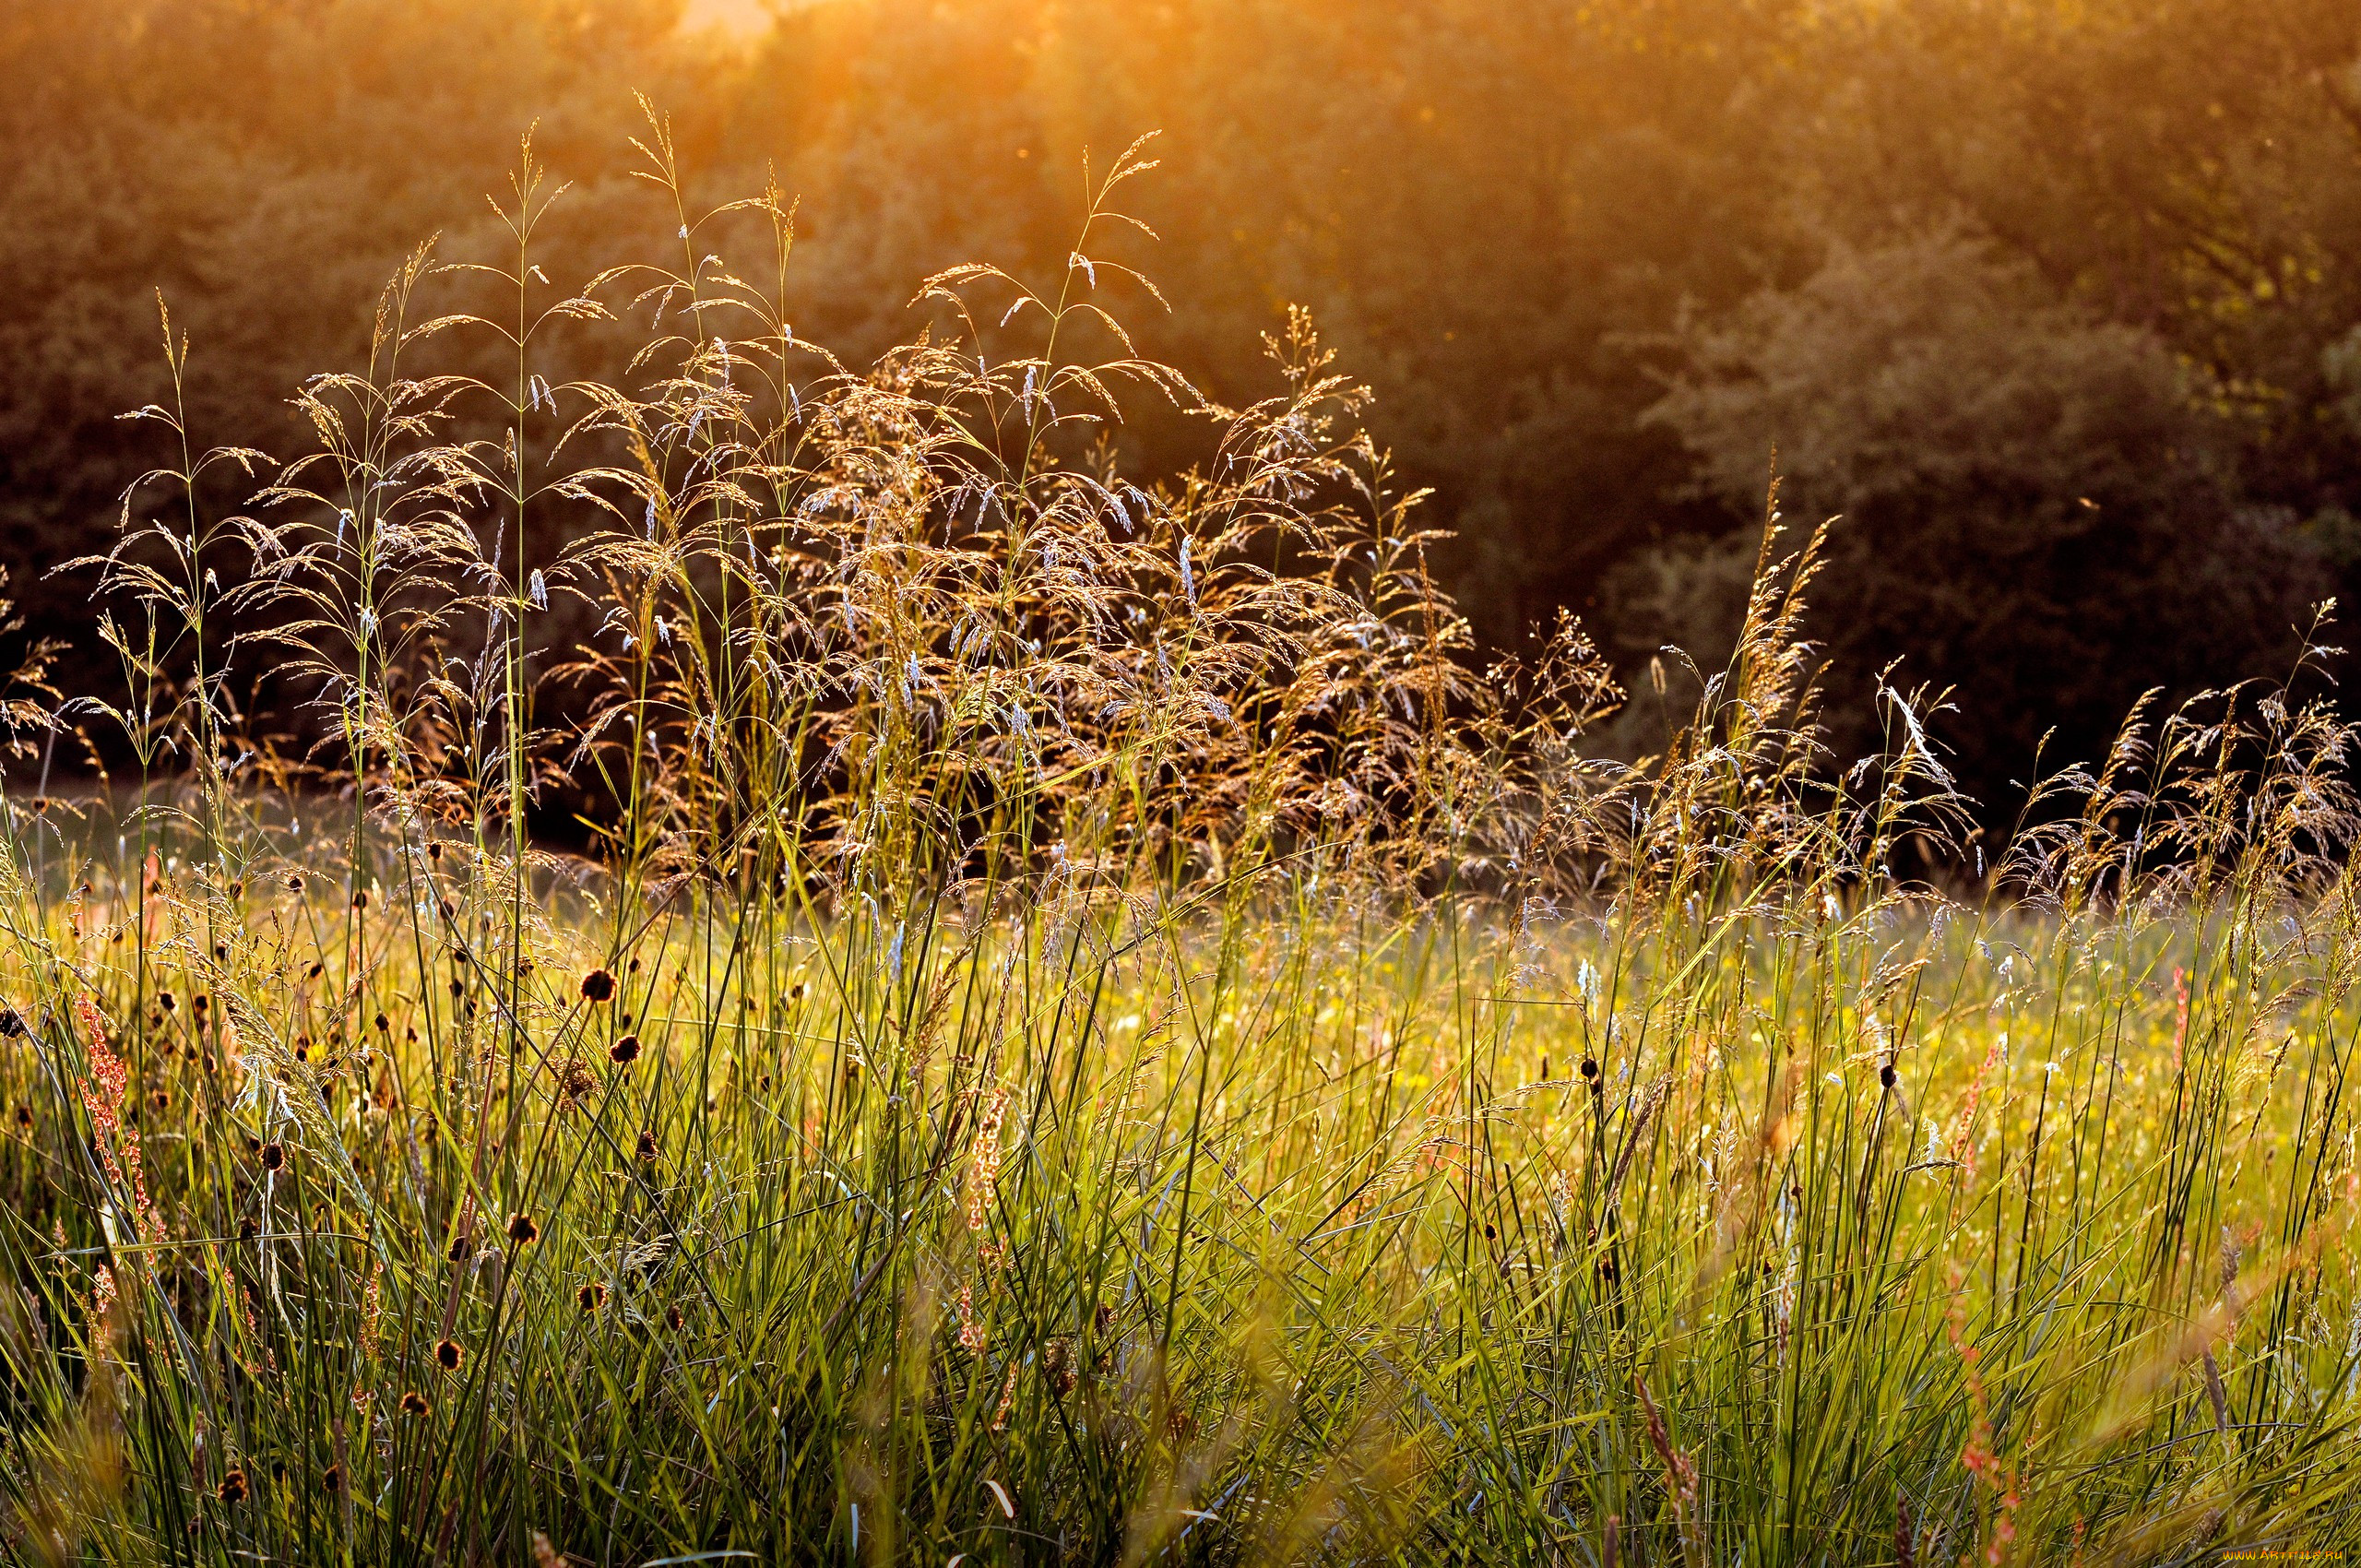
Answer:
(2059, 304)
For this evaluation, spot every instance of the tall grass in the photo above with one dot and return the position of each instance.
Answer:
(1085, 1030)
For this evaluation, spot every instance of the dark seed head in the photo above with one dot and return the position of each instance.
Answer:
(598, 985)
(274, 1155)
(522, 1229)
(672, 1317)
(590, 1297)
(1590, 1067)
(360, 899)
(332, 1480)
(415, 1403)
(247, 1231)
(294, 881)
(24, 1116)
(1885, 1075)
(646, 1147)
(11, 1025)
(164, 1000)
(233, 1486)
(624, 1050)
(448, 1355)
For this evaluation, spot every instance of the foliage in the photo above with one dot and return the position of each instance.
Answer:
(1086, 1034)
(1502, 214)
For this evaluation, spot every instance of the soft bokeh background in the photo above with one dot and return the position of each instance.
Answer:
(2060, 305)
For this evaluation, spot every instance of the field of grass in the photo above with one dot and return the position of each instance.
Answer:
(1083, 1031)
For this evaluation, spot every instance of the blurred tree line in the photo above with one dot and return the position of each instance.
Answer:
(2059, 304)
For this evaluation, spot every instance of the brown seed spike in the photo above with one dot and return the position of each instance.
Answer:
(590, 1297)
(233, 1486)
(415, 1403)
(624, 1051)
(521, 1228)
(448, 1355)
(598, 985)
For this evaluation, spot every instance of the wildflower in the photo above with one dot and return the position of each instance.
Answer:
(598, 985)
(1057, 1360)
(103, 1092)
(984, 1173)
(624, 1051)
(415, 1403)
(971, 1329)
(521, 1228)
(448, 1355)
(576, 1082)
(1007, 1398)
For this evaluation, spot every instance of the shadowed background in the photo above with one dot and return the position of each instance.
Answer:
(2058, 305)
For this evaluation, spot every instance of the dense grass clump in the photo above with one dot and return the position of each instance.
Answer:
(1083, 1032)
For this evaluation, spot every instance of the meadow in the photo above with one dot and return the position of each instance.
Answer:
(900, 996)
